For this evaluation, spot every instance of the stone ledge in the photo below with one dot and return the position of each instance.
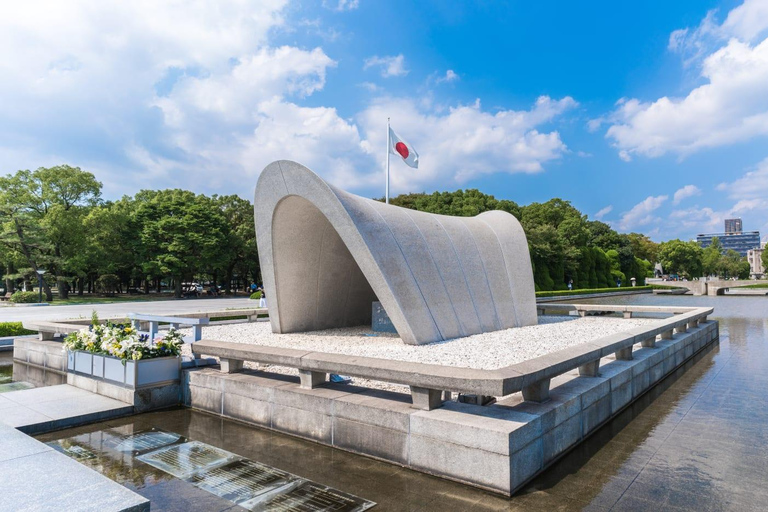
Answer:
(498, 447)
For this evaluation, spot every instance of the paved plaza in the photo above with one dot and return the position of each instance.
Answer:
(20, 313)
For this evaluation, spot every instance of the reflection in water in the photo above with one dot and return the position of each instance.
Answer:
(696, 441)
(248, 484)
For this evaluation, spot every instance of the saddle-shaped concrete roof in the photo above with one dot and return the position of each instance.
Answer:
(326, 255)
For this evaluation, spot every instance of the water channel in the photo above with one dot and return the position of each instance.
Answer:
(697, 441)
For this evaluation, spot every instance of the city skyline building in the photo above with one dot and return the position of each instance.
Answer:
(740, 242)
(733, 225)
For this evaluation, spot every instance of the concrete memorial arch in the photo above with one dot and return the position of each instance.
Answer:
(326, 255)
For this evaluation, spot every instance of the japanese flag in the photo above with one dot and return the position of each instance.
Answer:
(398, 146)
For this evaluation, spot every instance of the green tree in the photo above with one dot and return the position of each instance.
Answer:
(42, 211)
(712, 258)
(680, 257)
(181, 234)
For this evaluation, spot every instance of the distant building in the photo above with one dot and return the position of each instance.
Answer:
(755, 259)
(740, 242)
(733, 225)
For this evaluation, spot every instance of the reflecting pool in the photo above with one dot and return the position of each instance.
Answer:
(697, 441)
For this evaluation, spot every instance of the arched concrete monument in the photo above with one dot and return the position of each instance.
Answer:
(326, 255)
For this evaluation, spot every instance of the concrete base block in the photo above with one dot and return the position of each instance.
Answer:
(379, 442)
(537, 392)
(310, 379)
(426, 399)
(498, 447)
(231, 365)
(590, 369)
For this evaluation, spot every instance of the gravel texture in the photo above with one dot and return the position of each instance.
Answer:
(488, 351)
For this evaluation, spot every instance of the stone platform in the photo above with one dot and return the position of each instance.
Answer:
(498, 447)
(38, 478)
(39, 410)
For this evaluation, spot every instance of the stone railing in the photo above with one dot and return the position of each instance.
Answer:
(49, 329)
(428, 382)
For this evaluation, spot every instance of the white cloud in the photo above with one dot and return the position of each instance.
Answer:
(752, 185)
(465, 141)
(685, 192)
(151, 95)
(450, 76)
(389, 66)
(603, 212)
(642, 213)
(342, 5)
(731, 106)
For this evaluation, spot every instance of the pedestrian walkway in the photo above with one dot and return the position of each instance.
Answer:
(38, 478)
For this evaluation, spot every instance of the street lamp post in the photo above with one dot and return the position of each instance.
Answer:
(40, 273)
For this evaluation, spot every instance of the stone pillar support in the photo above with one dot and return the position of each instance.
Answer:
(590, 369)
(426, 399)
(693, 323)
(649, 343)
(627, 314)
(681, 328)
(46, 336)
(230, 365)
(582, 313)
(667, 335)
(537, 392)
(624, 354)
(310, 380)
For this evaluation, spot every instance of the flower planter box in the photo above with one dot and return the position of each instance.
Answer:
(133, 374)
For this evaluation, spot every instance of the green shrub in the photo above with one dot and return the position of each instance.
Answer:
(13, 329)
(256, 295)
(107, 284)
(24, 297)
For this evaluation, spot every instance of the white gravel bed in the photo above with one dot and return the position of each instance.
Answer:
(487, 351)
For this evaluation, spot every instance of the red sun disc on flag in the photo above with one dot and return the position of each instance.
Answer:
(402, 149)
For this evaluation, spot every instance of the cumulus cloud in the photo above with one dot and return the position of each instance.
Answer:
(149, 95)
(389, 66)
(685, 192)
(603, 212)
(466, 141)
(730, 106)
(642, 214)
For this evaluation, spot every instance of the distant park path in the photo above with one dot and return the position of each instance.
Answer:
(18, 314)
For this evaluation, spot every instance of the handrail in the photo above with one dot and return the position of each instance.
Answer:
(427, 381)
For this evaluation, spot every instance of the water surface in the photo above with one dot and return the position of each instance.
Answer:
(698, 441)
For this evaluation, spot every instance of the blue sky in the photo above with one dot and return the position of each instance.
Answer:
(652, 117)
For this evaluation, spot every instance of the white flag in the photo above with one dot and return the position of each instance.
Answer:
(399, 147)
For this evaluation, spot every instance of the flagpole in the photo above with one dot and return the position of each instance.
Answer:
(387, 186)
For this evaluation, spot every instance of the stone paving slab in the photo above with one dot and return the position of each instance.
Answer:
(28, 466)
(53, 407)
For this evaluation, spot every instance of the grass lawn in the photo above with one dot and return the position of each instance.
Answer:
(585, 291)
(95, 299)
(759, 285)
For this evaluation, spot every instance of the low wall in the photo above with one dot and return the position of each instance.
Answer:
(498, 447)
(41, 363)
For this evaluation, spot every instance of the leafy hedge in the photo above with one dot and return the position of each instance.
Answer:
(24, 297)
(13, 329)
(256, 295)
(592, 290)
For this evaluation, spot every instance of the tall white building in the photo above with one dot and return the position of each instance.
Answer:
(755, 259)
